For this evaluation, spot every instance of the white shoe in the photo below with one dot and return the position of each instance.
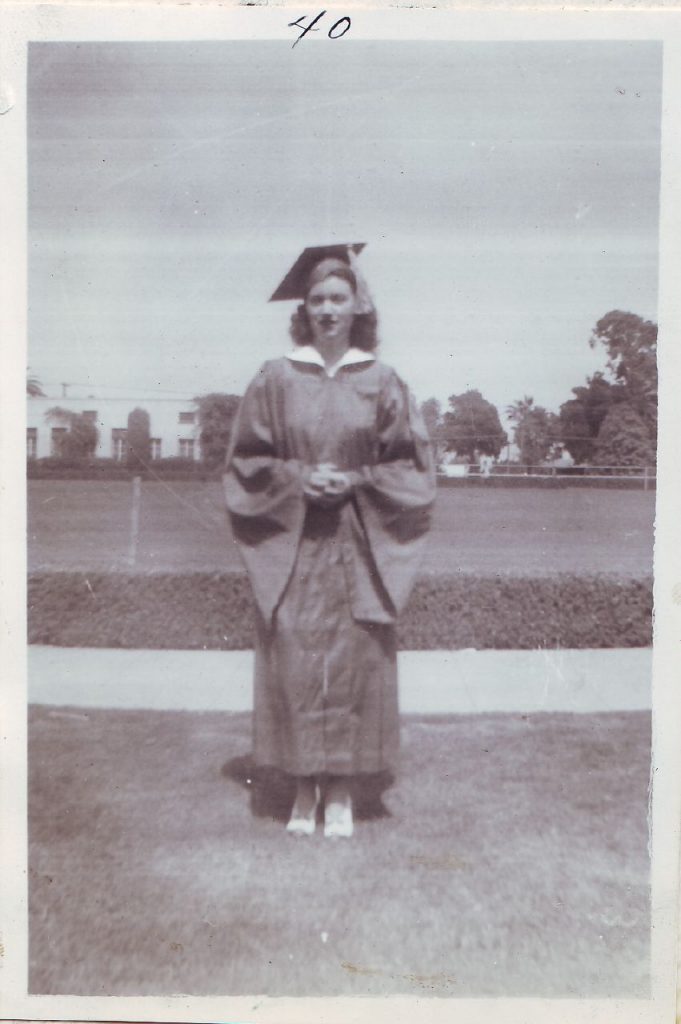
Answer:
(300, 824)
(338, 822)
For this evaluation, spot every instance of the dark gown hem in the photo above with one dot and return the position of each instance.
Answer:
(273, 790)
(330, 769)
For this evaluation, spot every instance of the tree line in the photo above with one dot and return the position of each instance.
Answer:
(610, 420)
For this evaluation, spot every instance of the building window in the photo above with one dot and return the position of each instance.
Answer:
(90, 415)
(186, 447)
(155, 448)
(187, 417)
(31, 442)
(119, 444)
(56, 436)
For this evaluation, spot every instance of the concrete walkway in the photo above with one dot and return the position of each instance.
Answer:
(433, 682)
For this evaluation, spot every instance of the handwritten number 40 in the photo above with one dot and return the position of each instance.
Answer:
(338, 29)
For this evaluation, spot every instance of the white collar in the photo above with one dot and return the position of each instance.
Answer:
(309, 354)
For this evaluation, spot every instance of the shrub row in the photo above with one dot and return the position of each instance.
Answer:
(569, 481)
(109, 469)
(214, 611)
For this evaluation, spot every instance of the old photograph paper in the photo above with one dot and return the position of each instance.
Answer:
(335, 504)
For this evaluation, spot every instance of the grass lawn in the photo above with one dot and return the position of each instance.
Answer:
(514, 863)
(84, 524)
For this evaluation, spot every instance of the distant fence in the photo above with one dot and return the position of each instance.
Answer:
(516, 473)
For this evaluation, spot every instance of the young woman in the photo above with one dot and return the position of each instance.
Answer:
(329, 487)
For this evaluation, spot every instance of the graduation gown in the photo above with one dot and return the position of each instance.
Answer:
(328, 583)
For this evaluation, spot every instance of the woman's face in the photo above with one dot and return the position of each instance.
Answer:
(330, 307)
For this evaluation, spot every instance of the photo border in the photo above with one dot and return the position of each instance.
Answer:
(104, 22)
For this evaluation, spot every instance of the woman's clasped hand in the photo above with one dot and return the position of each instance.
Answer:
(326, 485)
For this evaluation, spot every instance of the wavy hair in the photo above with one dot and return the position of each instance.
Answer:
(364, 330)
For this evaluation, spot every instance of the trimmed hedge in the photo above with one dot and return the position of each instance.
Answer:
(108, 469)
(66, 469)
(548, 482)
(214, 611)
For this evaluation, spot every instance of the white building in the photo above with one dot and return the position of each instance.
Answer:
(174, 425)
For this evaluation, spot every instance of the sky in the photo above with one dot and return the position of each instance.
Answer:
(507, 193)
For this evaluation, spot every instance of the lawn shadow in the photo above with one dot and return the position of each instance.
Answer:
(272, 791)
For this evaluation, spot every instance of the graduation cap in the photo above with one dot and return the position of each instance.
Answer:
(296, 283)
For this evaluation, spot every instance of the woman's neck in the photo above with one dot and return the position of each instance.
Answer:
(332, 349)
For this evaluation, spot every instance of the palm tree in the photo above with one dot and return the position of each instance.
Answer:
(519, 409)
(517, 414)
(33, 386)
(536, 430)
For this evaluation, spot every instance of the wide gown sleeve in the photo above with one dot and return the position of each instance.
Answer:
(395, 496)
(265, 499)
